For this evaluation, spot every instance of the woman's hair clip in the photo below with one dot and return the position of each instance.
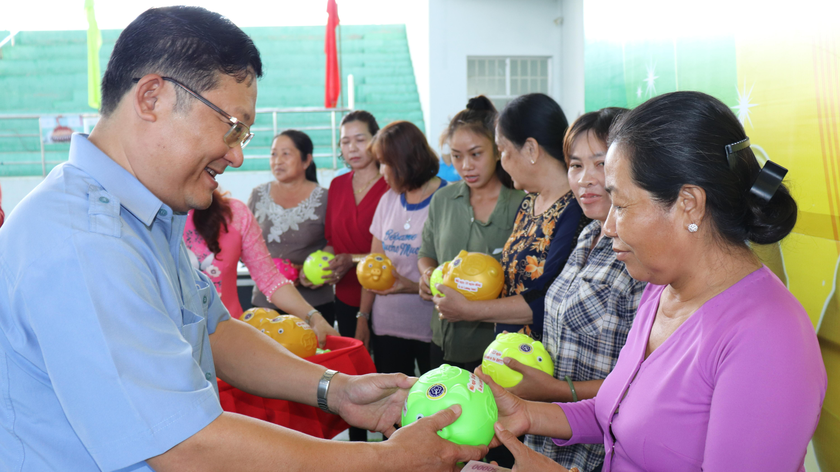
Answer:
(768, 179)
(732, 150)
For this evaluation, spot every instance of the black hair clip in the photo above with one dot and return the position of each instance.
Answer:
(732, 150)
(768, 180)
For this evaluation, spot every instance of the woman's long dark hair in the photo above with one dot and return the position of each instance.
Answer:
(303, 144)
(209, 222)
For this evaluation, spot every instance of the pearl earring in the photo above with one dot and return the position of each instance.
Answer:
(692, 228)
(532, 162)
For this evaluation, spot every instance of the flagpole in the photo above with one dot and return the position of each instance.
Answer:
(340, 76)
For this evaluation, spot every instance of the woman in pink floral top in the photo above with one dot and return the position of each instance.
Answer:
(223, 234)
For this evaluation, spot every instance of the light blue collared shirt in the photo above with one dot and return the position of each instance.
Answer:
(105, 358)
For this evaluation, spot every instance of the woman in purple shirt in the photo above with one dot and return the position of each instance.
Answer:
(721, 370)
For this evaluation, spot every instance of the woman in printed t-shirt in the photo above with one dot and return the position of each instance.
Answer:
(475, 215)
(400, 318)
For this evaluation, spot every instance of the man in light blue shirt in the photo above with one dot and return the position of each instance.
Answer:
(110, 343)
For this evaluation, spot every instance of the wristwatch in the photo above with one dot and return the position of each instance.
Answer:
(323, 388)
(364, 315)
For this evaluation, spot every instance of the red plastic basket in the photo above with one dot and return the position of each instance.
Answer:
(347, 355)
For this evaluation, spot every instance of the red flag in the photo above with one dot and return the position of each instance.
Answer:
(333, 82)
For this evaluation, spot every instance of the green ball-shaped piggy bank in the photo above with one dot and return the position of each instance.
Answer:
(437, 278)
(517, 346)
(446, 386)
(315, 267)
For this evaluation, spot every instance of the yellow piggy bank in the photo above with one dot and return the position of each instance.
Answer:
(477, 276)
(254, 316)
(293, 333)
(374, 272)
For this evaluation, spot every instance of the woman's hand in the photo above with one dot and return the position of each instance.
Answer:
(363, 331)
(322, 329)
(401, 285)
(339, 265)
(452, 305)
(425, 291)
(535, 385)
(513, 411)
(525, 458)
(304, 281)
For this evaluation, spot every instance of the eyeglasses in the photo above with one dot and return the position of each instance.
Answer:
(239, 132)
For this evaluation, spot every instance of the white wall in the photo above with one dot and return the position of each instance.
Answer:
(415, 15)
(462, 28)
(571, 96)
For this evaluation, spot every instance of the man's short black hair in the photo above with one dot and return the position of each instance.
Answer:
(190, 44)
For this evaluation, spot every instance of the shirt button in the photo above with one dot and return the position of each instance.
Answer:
(207, 375)
(162, 212)
(204, 300)
(104, 199)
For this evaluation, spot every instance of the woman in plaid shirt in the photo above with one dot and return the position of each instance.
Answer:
(591, 305)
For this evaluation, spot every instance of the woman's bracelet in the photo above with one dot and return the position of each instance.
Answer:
(572, 388)
(309, 316)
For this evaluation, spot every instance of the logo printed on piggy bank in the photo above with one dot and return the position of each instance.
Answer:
(516, 346)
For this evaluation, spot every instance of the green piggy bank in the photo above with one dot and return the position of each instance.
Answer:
(437, 278)
(446, 386)
(316, 266)
(518, 346)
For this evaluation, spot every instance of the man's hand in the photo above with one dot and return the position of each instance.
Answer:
(525, 458)
(535, 385)
(322, 329)
(339, 265)
(419, 445)
(372, 401)
(452, 306)
(513, 411)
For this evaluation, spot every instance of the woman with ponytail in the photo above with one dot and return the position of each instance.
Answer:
(529, 135)
(475, 214)
(721, 369)
(225, 233)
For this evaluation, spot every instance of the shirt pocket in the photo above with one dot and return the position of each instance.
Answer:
(194, 331)
(584, 312)
(200, 301)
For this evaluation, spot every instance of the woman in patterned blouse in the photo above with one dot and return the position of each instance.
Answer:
(291, 211)
(529, 134)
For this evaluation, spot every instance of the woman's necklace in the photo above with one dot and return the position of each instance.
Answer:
(367, 184)
(408, 206)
